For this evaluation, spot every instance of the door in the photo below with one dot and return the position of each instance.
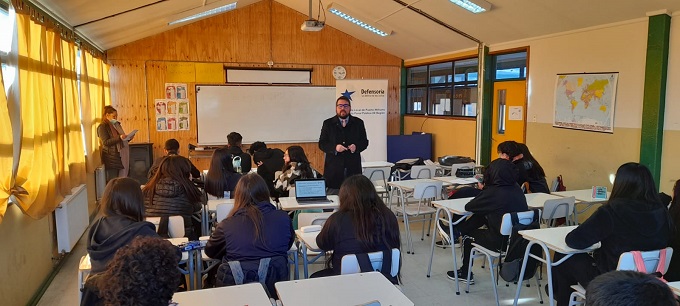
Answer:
(509, 113)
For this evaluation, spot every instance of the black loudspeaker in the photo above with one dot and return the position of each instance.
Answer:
(141, 160)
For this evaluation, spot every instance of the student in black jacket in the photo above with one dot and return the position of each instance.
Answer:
(500, 195)
(633, 219)
(362, 224)
(673, 273)
(221, 177)
(268, 161)
(254, 230)
(234, 142)
(535, 173)
(171, 148)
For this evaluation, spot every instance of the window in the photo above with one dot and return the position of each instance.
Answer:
(444, 89)
(511, 66)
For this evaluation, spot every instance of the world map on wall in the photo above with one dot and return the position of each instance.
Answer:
(586, 101)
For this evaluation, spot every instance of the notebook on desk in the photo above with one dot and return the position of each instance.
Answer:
(311, 191)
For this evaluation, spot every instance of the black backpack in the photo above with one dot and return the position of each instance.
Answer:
(509, 269)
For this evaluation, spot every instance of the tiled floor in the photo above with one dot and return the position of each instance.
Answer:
(436, 290)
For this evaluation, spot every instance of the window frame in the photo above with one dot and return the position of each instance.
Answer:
(450, 85)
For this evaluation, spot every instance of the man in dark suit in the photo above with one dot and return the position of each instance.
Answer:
(343, 138)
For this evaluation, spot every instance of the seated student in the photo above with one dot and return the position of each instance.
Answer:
(268, 161)
(122, 221)
(254, 230)
(673, 273)
(143, 273)
(509, 150)
(362, 224)
(221, 177)
(234, 140)
(171, 148)
(500, 195)
(629, 288)
(170, 193)
(534, 171)
(296, 167)
(633, 219)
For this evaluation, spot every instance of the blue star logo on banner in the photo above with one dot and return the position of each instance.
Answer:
(348, 94)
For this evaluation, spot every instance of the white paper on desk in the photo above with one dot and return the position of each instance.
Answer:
(310, 228)
(129, 136)
(407, 161)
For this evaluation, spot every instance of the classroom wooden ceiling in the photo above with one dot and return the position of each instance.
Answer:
(111, 23)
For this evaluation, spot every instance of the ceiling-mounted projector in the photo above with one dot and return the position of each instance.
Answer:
(312, 25)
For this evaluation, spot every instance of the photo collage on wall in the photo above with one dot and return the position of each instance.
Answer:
(172, 112)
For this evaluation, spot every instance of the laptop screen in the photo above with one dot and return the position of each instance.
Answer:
(310, 188)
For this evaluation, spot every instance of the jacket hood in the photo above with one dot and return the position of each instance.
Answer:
(267, 154)
(649, 218)
(501, 172)
(235, 151)
(111, 233)
(264, 208)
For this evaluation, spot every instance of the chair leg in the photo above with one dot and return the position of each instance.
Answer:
(422, 232)
(493, 280)
(429, 224)
(538, 286)
(473, 254)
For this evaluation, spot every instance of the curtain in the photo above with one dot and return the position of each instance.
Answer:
(94, 88)
(71, 161)
(6, 159)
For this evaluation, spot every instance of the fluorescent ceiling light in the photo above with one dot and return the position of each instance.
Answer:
(478, 6)
(354, 18)
(217, 10)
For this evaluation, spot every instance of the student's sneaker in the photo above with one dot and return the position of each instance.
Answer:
(462, 277)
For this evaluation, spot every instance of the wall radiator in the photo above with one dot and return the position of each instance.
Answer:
(99, 181)
(72, 219)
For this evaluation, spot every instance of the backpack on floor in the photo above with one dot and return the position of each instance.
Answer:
(511, 266)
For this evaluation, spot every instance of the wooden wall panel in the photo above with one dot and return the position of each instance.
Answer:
(241, 38)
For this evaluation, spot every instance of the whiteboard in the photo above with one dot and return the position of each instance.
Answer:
(276, 114)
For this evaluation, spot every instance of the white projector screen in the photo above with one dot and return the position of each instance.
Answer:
(276, 114)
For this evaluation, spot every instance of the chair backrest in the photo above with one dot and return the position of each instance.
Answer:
(378, 176)
(175, 225)
(455, 167)
(429, 190)
(223, 210)
(651, 259)
(525, 217)
(423, 171)
(305, 219)
(350, 263)
(558, 208)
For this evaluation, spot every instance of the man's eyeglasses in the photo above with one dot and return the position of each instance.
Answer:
(342, 106)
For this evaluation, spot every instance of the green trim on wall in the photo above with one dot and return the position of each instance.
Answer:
(654, 99)
(402, 98)
(487, 109)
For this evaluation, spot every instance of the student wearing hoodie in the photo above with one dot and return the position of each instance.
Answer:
(123, 220)
(632, 220)
(500, 195)
(234, 143)
(268, 161)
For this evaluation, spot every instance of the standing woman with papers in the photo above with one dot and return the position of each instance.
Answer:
(115, 151)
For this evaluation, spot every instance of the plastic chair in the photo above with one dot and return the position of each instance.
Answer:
(223, 210)
(84, 268)
(350, 263)
(494, 257)
(306, 219)
(627, 263)
(423, 171)
(558, 208)
(379, 177)
(424, 193)
(212, 212)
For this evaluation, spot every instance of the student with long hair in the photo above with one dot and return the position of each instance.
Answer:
(535, 173)
(170, 193)
(122, 221)
(362, 224)
(673, 273)
(221, 177)
(254, 230)
(296, 167)
(633, 219)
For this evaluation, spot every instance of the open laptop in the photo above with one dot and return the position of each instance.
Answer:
(309, 191)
